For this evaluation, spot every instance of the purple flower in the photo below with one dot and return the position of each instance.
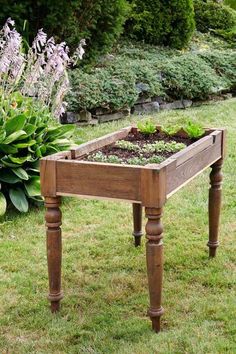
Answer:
(39, 41)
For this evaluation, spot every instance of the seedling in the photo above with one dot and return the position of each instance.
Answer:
(147, 127)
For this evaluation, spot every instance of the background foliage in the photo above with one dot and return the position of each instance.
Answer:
(162, 22)
(100, 22)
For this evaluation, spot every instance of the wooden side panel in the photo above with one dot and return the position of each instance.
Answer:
(99, 143)
(97, 179)
(179, 175)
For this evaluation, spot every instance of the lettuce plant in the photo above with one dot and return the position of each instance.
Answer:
(27, 133)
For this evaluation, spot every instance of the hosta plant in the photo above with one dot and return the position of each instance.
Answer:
(27, 133)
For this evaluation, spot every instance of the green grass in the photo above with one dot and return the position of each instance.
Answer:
(104, 276)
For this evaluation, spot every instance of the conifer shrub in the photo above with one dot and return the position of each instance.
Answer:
(169, 23)
(100, 22)
(210, 15)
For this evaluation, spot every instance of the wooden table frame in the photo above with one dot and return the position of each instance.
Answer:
(144, 186)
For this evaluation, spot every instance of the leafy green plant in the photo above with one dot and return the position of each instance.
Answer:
(161, 146)
(27, 133)
(194, 130)
(126, 145)
(146, 127)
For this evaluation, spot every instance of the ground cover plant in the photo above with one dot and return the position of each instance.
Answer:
(207, 69)
(104, 276)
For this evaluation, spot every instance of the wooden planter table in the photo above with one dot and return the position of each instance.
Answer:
(64, 174)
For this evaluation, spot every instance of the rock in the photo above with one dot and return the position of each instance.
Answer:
(143, 99)
(158, 99)
(147, 107)
(85, 116)
(142, 87)
(69, 118)
(113, 116)
(101, 110)
(181, 104)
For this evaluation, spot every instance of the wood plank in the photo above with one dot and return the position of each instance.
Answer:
(178, 176)
(99, 142)
(97, 179)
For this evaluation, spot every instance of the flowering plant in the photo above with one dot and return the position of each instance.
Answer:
(32, 87)
(39, 73)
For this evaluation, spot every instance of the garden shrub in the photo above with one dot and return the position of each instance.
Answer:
(231, 3)
(100, 22)
(210, 15)
(117, 83)
(189, 76)
(224, 64)
(27, 133)
(170, 23)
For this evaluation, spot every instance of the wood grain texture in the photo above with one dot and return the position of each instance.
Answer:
(99, 143)
(97, 179)
(153, 186)
(178, 175)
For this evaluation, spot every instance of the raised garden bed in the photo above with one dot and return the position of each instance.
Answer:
(149, 186)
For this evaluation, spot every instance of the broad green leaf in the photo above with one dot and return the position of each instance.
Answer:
(23, 145)
(19, 160)
(21, 173)
(2, 135)
(8, 149)
(63, 131)
(30, 129)
(7, 162)
(7, 176)
(14, 136)
(18, 199)
(3, 204)
(15, 124)
(33, 186)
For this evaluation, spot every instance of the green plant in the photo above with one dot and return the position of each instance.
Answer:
(210, 15)
(194, 130)
(27, 133)
(189, 76)
(146, 127)
(231, 3)
(99, 21)
(159, 22)
(126, 145)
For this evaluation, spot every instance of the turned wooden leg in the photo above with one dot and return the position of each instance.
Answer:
(54, 251)
(137, 220)
(154, 253)
(214, 206)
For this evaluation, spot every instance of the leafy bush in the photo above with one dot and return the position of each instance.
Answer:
(170, 23)
(224, 64)
(27, 133)
(231, 3)
(189, 76)
(99, 21)
(210, 15)
(101, 88)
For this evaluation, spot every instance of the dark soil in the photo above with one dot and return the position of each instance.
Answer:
(140, 139)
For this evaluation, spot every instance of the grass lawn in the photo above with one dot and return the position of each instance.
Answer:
(104, 276)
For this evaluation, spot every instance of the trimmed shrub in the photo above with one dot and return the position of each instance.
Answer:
(100, 22)
(189, 76)
(169, 23)
(120, 81)
(210, 15)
